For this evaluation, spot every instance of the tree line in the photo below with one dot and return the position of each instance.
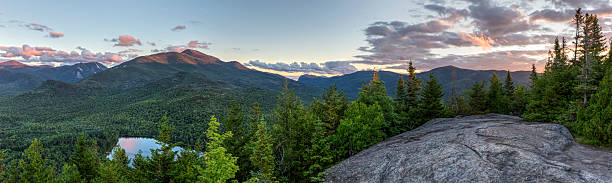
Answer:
(297, 142)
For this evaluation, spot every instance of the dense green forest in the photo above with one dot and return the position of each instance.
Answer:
(256, 140)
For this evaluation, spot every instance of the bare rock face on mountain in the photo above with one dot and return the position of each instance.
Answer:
(481, 148)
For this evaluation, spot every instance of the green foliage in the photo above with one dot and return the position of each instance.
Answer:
(262, 156)
(431, 100)
(375, 93)
(495, 96)
(35, 168)
(361, 127)
(478, 98)
(595, 121)
(330, 109)
(219, 166)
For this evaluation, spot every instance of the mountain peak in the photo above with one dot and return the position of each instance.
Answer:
(12, 64)
(197, 54)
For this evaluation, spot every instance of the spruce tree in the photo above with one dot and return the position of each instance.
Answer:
(262, 157)
(374, 92)
(234, 122)
(508, 86)
(431, 99)
(412, 87)
(495, 96)
(361, 127)
(478, 98)
(594, 122)
(86, 158)
(219, 166)
(330, 109)
(35, 168)
(533, 76)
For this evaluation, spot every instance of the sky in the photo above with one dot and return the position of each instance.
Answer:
(291, 38)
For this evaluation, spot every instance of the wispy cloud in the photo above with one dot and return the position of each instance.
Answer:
(179, 28)
(125, 41)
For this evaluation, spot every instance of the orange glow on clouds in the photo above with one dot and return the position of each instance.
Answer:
(481, 40)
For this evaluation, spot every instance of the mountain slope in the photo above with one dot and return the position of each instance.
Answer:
(463, 80)
(17, 77)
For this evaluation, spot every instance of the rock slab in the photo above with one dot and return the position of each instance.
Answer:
(480, 148)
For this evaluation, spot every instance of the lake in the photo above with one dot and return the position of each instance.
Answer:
(135, 145)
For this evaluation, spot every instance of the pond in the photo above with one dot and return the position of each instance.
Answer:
(135, 145)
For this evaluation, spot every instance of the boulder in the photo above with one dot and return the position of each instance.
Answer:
(479, 148)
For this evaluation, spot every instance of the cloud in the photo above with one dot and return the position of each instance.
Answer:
(50, 55)
(151, 43)
(481, 40)
(498, 60)
(180, 48)
(56, 34)
(179, 28)
(331, 67)
(38, 27)
(197, 44)
(549, 15)
(497, 21)
(125, 40)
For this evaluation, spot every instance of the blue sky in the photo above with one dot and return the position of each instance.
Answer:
(294, 37)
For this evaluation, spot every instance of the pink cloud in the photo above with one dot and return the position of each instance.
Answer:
(48, 55)
(56, 34)
(38, 27)
(197, 44)
(125, 40)
(179, 28)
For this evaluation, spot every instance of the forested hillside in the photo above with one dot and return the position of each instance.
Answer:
(236, 127)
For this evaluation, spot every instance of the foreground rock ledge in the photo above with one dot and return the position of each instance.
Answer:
(480, 148)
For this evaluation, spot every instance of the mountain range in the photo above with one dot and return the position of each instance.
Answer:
(16, 77)
(450, 77)
(53, 104)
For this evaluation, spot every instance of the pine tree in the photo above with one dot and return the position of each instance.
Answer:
(234, 122)
(219, 166)
(478, 98)
(533, 76)
(412, 87)
(86, 158)
(262, 157)
(594, 122)
(375, 93)
(431, 101)
(495, 100)
(400, 92)
(578, 21)
(161, 165)
(361, 127)
(318, 155)
(35, 168)
(330, 109)
(508, 85)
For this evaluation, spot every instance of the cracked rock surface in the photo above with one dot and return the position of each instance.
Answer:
(480, 148)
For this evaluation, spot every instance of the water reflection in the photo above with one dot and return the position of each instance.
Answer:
(135, 145)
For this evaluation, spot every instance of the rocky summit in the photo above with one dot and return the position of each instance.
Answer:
(480, 148)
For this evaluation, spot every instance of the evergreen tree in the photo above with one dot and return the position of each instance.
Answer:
(330, 109)
(262, 157)
(431, 101)
(412, 87)
(594, 122)
(219, 166)
(318, 154)
(495, 96)
(478, 98)
(533, 76)
(361, 128)
(234, 122)
(400, 92)
(508, 86)
(375, 93)
(86, 158)
(35, 168)
(578, 21)
(291, 121)
(160, 167)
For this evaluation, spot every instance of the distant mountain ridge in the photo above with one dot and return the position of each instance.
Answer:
(463, 79)
(18, 77)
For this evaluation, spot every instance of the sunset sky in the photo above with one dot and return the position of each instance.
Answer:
(291, 38)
